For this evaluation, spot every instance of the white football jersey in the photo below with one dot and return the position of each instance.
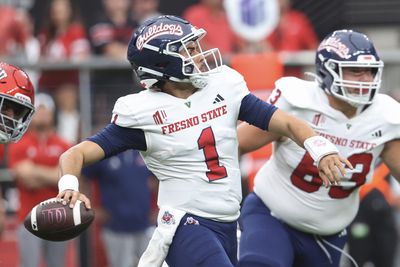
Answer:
(192, 144)
(289, 183)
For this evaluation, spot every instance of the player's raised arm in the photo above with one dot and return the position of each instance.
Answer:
(251, 138)
(71, 163)
(294, 128)
(280, 123)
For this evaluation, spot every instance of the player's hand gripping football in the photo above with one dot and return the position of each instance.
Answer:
(70, 197)
(332, 169)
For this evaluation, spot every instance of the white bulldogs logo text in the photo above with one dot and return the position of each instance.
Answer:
(157, 30)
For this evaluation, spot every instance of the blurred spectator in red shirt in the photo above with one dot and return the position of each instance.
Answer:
(294, 31)
(210, 15)
(13, 31)
(63, 38)
(113, 30)
(34, 164)
(110, 36)
(16, 37)
(145, 9)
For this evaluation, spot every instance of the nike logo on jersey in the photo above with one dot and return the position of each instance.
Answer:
(188, 104)
(218, 99)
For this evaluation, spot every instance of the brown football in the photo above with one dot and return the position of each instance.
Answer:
(51, 220)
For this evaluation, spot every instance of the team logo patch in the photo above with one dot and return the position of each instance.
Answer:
(336, 45)
(318, 119)
(160, 117)
(158, 30)
(191, 221)
(168, 218)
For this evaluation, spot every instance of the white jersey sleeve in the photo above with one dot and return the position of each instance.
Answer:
(289, 183)
(122, 113)
(192, 144)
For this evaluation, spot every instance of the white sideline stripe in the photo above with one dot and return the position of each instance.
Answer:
(77, 212)
(33, 219)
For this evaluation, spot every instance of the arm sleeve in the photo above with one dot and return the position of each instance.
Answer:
(256, 112)
(114, 139)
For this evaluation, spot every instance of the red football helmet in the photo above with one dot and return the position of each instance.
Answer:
(16, 103)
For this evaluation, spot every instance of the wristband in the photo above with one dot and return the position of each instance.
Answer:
(318, 147)
(68, 181)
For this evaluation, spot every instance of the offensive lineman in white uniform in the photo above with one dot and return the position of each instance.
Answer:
(185, 127)
(291, 219)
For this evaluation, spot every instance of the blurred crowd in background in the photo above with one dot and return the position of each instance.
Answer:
(75, 31)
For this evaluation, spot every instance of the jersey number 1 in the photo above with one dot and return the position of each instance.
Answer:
(206, 142)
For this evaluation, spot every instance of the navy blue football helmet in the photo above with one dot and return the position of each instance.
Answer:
(168, 48)
(346, 48)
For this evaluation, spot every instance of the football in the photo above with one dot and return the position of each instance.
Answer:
(51, 220)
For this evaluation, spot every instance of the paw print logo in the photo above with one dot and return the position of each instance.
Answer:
(191, 221)
(167, 218)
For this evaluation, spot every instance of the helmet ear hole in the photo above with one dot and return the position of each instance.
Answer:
(333, 66)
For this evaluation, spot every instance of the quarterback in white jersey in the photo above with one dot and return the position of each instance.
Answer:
(191, 143)
(184, 125)
(344, 106)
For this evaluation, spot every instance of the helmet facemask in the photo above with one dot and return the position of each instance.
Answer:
(196, 66)
(13, 126)
(356, 93)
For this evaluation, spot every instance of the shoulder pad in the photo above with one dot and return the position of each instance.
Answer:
(127, 107)
(388, 107)
(297, 92)
(228, 75)
(228, 81)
